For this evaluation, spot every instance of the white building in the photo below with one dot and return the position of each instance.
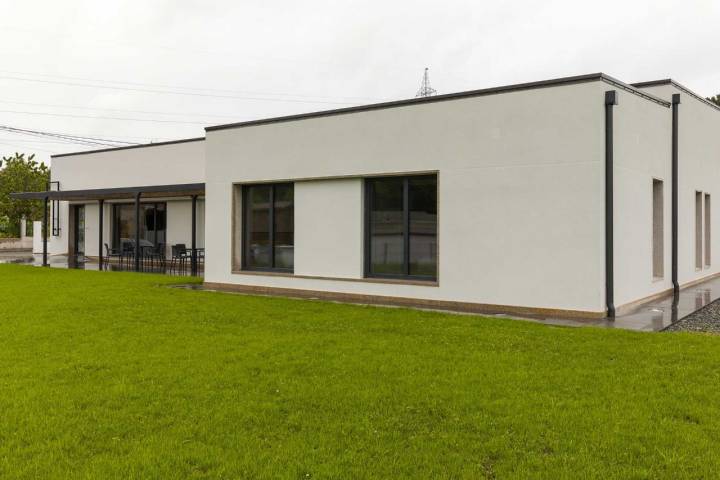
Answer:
(551, 197)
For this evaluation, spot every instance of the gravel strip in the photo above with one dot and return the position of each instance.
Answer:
(706, 320)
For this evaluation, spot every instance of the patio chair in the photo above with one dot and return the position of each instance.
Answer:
(127, 253)
(179, 257)
(201, 256)
(111, 253)
(156, 252)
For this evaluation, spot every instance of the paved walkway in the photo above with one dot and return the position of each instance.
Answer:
(654, 315)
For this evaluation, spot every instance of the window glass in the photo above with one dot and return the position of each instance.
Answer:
(124, 224)
(284, 227)
(152, 224)
(423, 225)
(386, 226)
(160, 223)
(257, 226)
(269, 225)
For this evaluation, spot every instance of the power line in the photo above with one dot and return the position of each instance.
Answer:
(38, 140)
(203, 89)
(168, 92)
(33, 148)
(144, 139)
(149, 112)
(90, 141)
(96, 117)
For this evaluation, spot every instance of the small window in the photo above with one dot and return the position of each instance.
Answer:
(707, 230)
(269, 227)
(698, 230)
(658, 230)
(401, 227)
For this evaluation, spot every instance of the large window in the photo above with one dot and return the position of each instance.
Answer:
(152, 224)
(269, 227)
(401, 227)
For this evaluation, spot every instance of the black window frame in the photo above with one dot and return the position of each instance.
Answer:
(367, 247)
(271, 221)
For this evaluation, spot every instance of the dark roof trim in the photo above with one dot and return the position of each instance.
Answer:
(177, 190)
(144, 145)
(635, 91)
(670, 81)
(450, 96)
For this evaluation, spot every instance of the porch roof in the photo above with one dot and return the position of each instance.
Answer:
(177, 190)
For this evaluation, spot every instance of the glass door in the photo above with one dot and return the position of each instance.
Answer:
(80, 230)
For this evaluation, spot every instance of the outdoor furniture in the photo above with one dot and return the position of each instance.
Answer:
(179, 257)
(111, 253)
(127, 252)
(155, 252)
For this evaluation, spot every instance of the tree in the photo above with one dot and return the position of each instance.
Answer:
(18, 174)
(715, 100)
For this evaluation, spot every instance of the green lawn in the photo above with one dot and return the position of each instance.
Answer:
(114, 375)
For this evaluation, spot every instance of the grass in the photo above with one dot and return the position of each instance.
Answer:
(113, 375)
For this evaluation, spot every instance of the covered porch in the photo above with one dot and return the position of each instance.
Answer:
(136, 239)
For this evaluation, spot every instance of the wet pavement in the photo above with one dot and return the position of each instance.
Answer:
(654, 315)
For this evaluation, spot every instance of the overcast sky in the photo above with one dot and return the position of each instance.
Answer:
(69, 62)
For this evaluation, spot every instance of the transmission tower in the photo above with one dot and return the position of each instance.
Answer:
(425, 89)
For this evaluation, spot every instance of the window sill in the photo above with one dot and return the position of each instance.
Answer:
(657, 279)
(393, 281)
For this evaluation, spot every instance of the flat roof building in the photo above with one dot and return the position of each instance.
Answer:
(577, 196)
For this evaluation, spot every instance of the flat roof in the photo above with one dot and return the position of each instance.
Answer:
(592, 77)
(129, 147)
(146, 191)
(679, 86)
(452, 96)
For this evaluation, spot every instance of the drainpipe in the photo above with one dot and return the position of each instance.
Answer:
(101, 206)
(675, 106)
(45, 232)
(193, 257)
(611, 99)
(138, 250)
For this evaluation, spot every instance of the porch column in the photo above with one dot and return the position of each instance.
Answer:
(45, 232)
(101, 207)
(137, 232)
(193, 258)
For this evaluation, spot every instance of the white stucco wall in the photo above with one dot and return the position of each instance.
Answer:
(179, 223)
(328, 228)
(699, 170)
(161, 164)
(642, 151)
(520, 194)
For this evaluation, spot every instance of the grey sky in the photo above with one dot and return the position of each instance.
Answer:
(252, 59)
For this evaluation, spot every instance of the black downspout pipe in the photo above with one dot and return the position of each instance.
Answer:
(611, 99)
(675, 105)
(137, 232)
(193, 258)
(45, 233)
(101, 206)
